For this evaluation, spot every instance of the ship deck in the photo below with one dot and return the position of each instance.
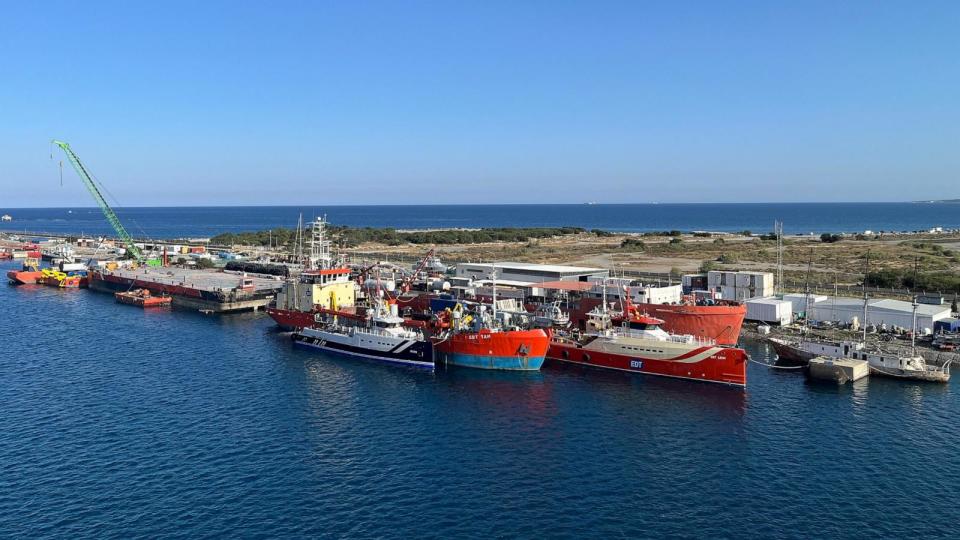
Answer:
(204, 290)
(204, 280)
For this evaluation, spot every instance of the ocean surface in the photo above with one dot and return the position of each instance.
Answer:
(798, 218)
(117, 422)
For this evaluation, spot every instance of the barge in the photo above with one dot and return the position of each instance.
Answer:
(209, 291)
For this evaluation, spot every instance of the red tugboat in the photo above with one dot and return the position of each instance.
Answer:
(642, 346)
(484, 341)
(474, 340)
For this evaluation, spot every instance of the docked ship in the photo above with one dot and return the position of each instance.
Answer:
(29, 273)
(324, 287)
(66, 276)
(142, 298)
(889, 364)
(207, 292)
(642, 346)
(482, 340)
(381, 337)
(899, 365)
(720, 321)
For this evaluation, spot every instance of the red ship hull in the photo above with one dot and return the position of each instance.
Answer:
(289, 319)
(24, 277)
(292, 320)
(707, 364)
(521, 350)
(721, 323)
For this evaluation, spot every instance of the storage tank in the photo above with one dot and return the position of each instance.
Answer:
(438, 285)
(386, 284)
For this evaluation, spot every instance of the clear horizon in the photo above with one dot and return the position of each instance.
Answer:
(311, 205)
(220, 104)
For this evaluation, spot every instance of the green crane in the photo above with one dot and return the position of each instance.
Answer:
(108, 212)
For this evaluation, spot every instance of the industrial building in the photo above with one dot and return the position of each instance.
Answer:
(879, 312)
(529, 272)
(740, 285)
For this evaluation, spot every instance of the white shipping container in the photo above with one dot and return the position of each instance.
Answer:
(728, 293)
(72, 267)
(657, 295)
(770, 310)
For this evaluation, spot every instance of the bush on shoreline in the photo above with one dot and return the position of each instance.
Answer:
(352, 237)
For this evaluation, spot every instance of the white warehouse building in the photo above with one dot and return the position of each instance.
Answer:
(879, 311)
(529, 272)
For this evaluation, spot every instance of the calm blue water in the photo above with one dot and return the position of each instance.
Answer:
(797, 218)
(121, 423)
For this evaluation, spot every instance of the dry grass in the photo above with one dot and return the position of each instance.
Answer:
(841, 261)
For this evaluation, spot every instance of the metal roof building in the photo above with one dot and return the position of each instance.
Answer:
(879, 311)
(529, 272)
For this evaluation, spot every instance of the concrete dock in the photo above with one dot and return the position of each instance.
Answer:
(839, 370)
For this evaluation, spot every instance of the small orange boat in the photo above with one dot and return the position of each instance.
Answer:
(142, 298)
(29, 274)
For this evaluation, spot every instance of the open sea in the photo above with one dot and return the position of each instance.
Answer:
(798, 218)
(117, 422)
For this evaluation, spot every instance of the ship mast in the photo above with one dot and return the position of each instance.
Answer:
(913, 332)
(319, 245)
(866, 274)
(806, 295)
(493, 276)
(778, 230)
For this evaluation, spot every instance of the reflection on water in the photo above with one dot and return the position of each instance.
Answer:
(174, 423)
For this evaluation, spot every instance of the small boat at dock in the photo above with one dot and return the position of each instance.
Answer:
(142, 298)
(29, 273)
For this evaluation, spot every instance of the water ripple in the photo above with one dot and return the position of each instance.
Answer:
(120, 423)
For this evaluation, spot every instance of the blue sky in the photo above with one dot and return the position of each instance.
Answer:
(200, 103)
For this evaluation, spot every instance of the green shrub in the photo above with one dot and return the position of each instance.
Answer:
(728, 258)
(632, 243)
(830, 238)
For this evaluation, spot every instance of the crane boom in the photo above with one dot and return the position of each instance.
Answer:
(108, 212)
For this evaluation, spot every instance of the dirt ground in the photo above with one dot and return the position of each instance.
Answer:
(843, 261)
